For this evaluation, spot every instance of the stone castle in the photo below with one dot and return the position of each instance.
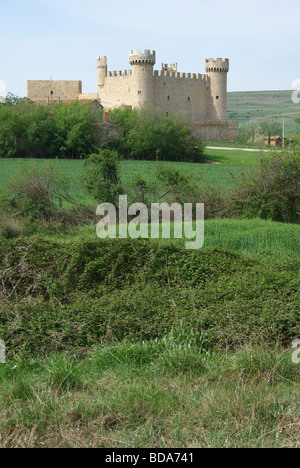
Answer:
(202, 99)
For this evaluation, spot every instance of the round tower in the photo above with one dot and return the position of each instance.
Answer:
(102, 72)
(217, 72)
(142, 76)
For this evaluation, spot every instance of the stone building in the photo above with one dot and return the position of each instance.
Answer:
(200, 98)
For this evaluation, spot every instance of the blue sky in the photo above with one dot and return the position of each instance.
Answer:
(61, 39)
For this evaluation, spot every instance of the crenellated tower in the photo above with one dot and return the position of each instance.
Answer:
(102, 72)
(217, 72)
(142, 72)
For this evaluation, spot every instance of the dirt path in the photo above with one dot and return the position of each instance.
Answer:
(237, 149)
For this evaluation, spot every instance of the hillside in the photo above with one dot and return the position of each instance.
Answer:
(254, 106)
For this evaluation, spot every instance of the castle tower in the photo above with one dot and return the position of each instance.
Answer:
(142, 77)
(217, 72)
(102, 72)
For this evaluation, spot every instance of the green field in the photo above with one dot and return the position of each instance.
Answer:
(255, 106)
(232, 165)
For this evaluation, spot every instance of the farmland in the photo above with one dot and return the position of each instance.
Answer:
(255, 106)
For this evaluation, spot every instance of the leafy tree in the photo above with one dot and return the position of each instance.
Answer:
(248, 133)
(102, 176)
(269, 129)
(73, 129)
(150, 135)
(28, 129)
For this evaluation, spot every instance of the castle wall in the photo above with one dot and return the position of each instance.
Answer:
(118, 90)
(64, 90)
(182, 93)
(215, 130)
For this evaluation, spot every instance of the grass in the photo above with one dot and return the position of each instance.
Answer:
(249, 237)
(161, 394)
(232, 165)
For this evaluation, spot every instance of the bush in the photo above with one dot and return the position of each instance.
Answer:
(28, 129)
(169, 185)
(273, 192)
(151, 136)
(11, 228)
(102, 176)
(35, 192)
(60, 297)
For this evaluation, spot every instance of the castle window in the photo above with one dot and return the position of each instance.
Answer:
(168, 98)
(51, 93)
(140, 92)
(217, 97)
(189, 99)
(167, 114)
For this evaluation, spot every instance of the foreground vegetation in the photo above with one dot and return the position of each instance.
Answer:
(141, 343)
(175, 392)
(70, 296)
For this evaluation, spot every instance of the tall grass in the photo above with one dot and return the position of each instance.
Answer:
(174, 392)
(255, 237)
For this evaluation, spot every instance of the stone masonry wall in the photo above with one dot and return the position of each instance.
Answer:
(215, 130)
(54, 90)
(182, 93)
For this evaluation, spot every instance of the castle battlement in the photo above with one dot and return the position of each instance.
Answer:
(137, 57)
(117, 73)
(179, 76)
(216, 65)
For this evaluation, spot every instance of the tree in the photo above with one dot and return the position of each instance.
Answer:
(151, 135)
(248, 132)
(270, 128)
(102, 176)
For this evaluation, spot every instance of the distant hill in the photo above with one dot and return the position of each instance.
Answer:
(254, 106)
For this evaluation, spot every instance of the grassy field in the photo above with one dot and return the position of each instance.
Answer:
(250, 237)
(256, 106)
(232, 165)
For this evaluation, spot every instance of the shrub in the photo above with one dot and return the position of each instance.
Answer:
(35, 191)
(11, 228)
(150, 135)
(273, 192)
(28, 129)
(58, 297)
(169, 185)
(102, 176)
